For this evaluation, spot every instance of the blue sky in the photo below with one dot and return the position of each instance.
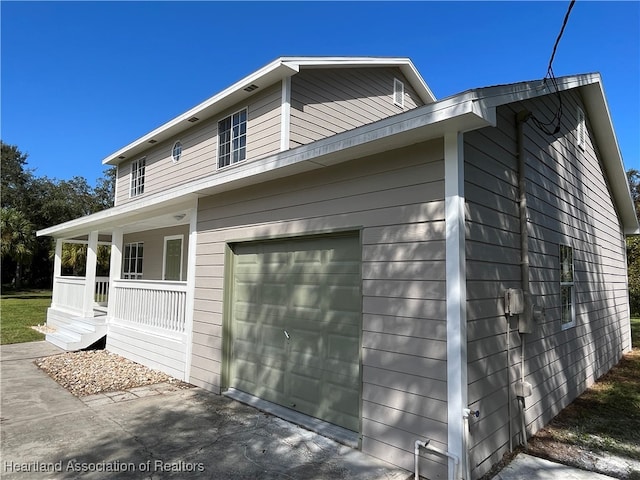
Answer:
(82, 79)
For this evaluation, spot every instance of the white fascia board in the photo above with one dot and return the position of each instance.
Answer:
(271, 73)
(414, 126)
(600, 118)
(122, 215)
(590, 84)
(495, 96)
(406, 66)
(417, 82)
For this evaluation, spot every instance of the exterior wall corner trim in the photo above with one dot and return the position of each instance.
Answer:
(456, 298)
(285, 114)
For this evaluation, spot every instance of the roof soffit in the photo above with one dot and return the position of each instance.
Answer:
(463, 112)
(266, 76)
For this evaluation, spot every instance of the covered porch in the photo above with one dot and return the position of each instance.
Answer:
(144, 303)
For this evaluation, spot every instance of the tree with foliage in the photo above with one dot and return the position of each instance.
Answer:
(104, 193)
(44, 202)
(16, 240)
(633, 247)
(15, 178)
(633, 177)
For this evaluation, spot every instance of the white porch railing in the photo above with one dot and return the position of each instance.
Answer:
(150, 304)
(68, 293)
(101, 296)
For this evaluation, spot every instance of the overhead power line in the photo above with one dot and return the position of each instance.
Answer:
(555, 46)
(557, 118)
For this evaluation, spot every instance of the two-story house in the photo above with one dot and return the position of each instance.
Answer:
(327, 241)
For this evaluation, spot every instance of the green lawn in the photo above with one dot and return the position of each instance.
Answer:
(19, 310)
(606, 417)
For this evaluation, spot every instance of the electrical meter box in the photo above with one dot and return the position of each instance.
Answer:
(523, 389)
(513, 302)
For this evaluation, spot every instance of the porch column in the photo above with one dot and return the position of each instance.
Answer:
(115, 267)
(57, 271)
(90, 275)
(191, 288)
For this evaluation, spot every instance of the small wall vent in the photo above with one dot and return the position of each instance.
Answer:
(193, 119)
(582, 128)
(153, 141)
(398, 92)
(251, 88)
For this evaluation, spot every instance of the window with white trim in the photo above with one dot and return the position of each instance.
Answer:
(581, 130)
(232, 139)
(132, 261)
(172, 266)
(137, 177)
(398, 92)
(567, 288)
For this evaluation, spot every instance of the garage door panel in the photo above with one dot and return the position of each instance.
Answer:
(306, 296)
(272, 337)
(306, 257)
(343, 298)
(247, 331)
(303, 299)
(305, 363)
(254, 313)
(342, 348)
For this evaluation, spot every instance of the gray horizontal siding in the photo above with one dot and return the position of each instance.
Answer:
(328, 101)
(200, 143)
(396, 202)
(569, 202)
(153, 253)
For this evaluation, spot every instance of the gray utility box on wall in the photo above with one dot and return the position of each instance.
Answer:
(517, 302)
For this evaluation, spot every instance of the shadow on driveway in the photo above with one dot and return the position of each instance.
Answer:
(49, 433)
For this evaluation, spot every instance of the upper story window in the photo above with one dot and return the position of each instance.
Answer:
(176, 151)
(567, 288)
(232, 139)
(398, 92)
(137, 177)
(581, 129)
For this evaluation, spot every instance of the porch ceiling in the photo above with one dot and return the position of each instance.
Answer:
(169, 213)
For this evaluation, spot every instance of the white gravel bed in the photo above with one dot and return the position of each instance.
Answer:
(94, 371)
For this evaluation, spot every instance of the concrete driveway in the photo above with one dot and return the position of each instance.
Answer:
(155, 433)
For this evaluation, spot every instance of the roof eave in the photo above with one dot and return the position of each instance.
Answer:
(414, 126)
(596, 104)
(600, 118)
(269, 74)
(273, 72)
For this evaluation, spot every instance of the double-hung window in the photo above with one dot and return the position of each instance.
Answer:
(132, 261)
(137, 177)
(232, 139)
(567, 288)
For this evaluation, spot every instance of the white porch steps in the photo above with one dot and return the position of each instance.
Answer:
(77, 333)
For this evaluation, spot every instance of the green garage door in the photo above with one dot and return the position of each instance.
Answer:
(295, 325)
